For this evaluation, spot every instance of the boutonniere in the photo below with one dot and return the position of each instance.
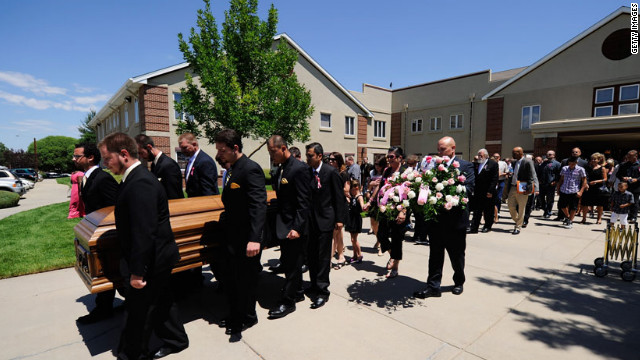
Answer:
(160, 179)
(235, 186)
(284, 181)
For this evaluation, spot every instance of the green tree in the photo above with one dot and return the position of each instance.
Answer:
(2, 150)
(54, 153)
(87, 133)
(245, 83)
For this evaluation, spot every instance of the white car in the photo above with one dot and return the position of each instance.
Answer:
(8, 182)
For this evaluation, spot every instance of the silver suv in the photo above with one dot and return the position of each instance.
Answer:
(9, 183)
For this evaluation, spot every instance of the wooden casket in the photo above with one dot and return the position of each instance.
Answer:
(97, 246)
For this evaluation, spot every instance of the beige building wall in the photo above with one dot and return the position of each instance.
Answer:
(378, 101)
(564, 85)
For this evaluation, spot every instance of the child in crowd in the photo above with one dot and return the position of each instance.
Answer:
(621, 201)
(354, 223)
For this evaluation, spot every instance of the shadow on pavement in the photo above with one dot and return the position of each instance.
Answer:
(606, 324)
(388, 294)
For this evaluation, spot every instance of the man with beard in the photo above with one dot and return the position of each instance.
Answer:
(163, 167)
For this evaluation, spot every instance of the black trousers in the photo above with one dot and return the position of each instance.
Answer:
(530, 206)
(388, 228)
(241, 284)
(454, 241)
(150, 309)
(319, 261)
(292, 258)
(483, 206)
(420, 228)
(547, 193)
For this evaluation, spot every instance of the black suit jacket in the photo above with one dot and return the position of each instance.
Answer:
(168, 172)
(203, 177)
(292, 184)
(142, 222)
(99, 191)
(245, 205)
(486, 180)
(328, 201)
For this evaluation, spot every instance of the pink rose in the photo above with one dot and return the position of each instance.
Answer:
(441, 167)
(399, 207)
(434, 180)
(404, 176)
(456, 164)
(428, 159)
(438, 160)
(465, 200)
(451, 181)
(446, 158)
(462, 178)
(439, 195)
(448, 206)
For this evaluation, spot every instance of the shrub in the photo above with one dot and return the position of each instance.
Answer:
(8, 199)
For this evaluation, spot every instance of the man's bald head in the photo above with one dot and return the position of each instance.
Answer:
(447, 147)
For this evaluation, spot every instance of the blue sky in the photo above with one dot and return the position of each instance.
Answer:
(61, 58)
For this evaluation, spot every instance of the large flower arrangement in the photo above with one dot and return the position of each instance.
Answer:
(427, 193)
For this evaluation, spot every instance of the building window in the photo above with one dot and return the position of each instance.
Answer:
(530, 116)
(379, 130)
(616, 100)
(455, 121)
(177, 97)
(325, 121)
(416, 126)
(126, 115)
(349, 125)
(435, 124)
(135, 110)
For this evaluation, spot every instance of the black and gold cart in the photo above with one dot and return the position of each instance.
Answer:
(621, 244)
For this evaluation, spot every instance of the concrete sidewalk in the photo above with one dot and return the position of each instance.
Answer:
(531, 296)
(46, 192)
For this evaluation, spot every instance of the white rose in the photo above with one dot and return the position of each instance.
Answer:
(459, 189)
(418, 180)
(439, 187)
(396, 199)
(455, 201)
(411, 194)
(433, 200)
(448, 198)
(405, 203)
(410, 176)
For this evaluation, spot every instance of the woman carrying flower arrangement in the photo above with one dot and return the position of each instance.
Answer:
(394, 212)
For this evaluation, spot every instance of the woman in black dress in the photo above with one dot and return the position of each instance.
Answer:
(337, 161)
(595, 196)
(392, 228)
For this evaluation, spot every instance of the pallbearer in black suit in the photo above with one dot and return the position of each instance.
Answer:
(485, 191)
(201, 174)
(327, 210)
(148, 251)
(98, 189)
(292, 184)
(245, 208)
(449, 232)
(163, 167)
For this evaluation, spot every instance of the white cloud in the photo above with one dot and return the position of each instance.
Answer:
(30, 83)
(83, 89)
(90, 100)
(40, 104)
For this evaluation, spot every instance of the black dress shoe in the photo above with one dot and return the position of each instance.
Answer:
(546, 216)
(485, 230)
(319, 302)
(472, 231)
(97, 314)
(281, 311)
(305, 268)
(277, 268)
(457, 290)
(166, 350)
(427, 293)
(245, 326)
(524, 224)
(299, 298)
(223, 323)
(515, 232)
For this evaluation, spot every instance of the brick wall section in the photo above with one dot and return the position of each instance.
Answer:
(492, 149)
(362, 137)
(154, 108)
(541, 145)
(162, 143)
(396, 129)
(495, 114)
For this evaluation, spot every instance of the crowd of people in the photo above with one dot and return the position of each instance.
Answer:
(318, 198)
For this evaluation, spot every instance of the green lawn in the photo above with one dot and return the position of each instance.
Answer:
(64, 181)
(37, 240)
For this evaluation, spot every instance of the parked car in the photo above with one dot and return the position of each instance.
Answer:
(26, 173)
(27, 184)
(9, 183)
(52, 175)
